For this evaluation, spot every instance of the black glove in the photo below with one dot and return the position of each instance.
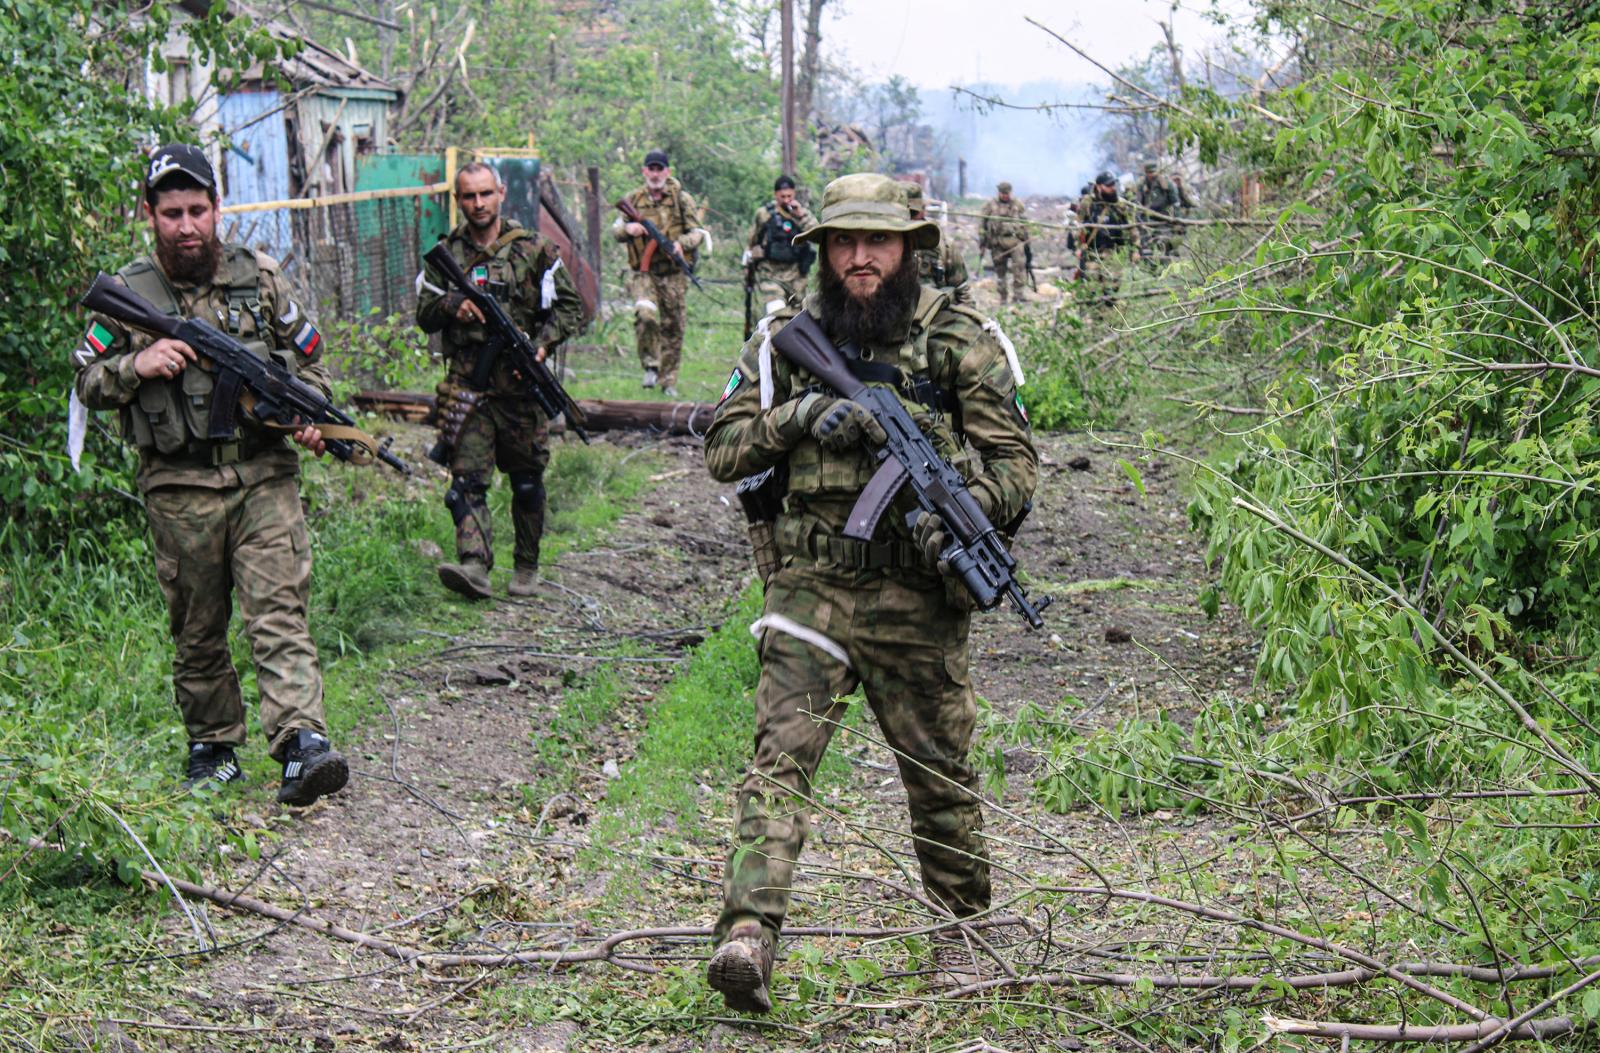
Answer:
(845, 424)
(929, 536)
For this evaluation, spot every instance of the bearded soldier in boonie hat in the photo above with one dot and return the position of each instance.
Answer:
(879, 614)
(942, 268)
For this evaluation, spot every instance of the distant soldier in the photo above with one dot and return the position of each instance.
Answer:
(780, 263)
(224, 514)
(882, 614)
(1106, 228)
(500, 425)
(1005, 234)
(1161, 201)
(657, 284)
(943, 268)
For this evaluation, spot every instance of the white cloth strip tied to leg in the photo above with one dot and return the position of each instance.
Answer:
(790, 627)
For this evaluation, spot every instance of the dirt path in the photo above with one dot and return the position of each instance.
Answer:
(461, 832)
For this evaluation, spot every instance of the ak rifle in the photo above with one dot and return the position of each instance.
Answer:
(263, 388)
(976, 554)
(506, 339)
(661, 241)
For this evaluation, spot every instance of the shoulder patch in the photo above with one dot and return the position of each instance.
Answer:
(307, 339)
(733, 385)
(1022, 411)
(99, 337)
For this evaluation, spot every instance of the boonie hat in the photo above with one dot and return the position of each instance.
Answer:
(179, 159)
(657, 157)
(1004, 187)
(1149, 166)
(869, 201)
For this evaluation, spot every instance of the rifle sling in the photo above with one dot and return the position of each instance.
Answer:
(364, 447)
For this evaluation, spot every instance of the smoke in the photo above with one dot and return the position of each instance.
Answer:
(1040, 152)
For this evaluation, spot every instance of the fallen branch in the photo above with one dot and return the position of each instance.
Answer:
(1550, 1027)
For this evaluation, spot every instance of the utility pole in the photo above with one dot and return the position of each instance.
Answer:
(961, 178)
(787, 8)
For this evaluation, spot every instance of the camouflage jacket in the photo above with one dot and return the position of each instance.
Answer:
(1002, 227)
(1107, 224)
(525, 273)
(943, 268)
(946, 345)
(676, 215)
(1162, 196)
(167, 419)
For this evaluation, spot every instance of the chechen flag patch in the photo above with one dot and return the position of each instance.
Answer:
(100, 338)
(1023, 410)
(733, 385)
(307, 339)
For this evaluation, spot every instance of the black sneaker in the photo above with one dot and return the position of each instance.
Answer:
(311, 769)
(211, 764)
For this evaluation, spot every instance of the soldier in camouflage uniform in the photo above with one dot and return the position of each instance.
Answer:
(780, 263)
(501, 425)
(1161, 202)
(841, 613)
(658, 286)
(224, 516)
(943, 268)
(1004, 233)
(1106, 227)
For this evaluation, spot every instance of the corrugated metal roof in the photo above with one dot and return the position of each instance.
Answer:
(315, 65)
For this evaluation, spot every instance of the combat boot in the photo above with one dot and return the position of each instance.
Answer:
(311, 769)
(741, 969)
(649, 379)
(524, 582)
(956, 962)
(469, 578)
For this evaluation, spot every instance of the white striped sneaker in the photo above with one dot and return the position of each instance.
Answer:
(211, 764)
(311, 769)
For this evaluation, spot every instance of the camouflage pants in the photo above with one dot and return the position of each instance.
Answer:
(779, 281)
(658, 305)
(908, 649)
(248, 541)
(1014, 262)
(1100, 276)
(514, 436)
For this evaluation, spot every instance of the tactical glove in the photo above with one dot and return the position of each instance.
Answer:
(929, 536)
(845, 424)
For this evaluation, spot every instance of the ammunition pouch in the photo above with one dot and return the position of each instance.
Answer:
(451, 410)
(803, 538)
(761, 497)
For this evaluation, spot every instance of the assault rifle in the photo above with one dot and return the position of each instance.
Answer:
(662, 242)
(504, 339)
(749, 299)
(263, 388)
(976, 554)
(1027, 259)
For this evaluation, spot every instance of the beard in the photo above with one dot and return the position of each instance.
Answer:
(882, 318)
(190, 266)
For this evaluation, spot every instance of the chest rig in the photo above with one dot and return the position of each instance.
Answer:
(174, 415)
(778, 237)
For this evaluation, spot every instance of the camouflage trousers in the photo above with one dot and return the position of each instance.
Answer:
(1012, 261)
(658, 306)
(249, 541)
(1101, 275)
(506, 433)
(779, 281)
(908, 649)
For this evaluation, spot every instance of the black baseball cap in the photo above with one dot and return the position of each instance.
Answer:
(783, 182)
(179, 158)
(657, 157)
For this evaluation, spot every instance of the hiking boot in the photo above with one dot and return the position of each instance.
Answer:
(468, 578)
(649, 379)
(741, 969)
(211, 764)
(956, 962)
(671, 391)
(524, 582)
(311, 769)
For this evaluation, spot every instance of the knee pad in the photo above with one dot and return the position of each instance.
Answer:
(465, 491)
(527, 491)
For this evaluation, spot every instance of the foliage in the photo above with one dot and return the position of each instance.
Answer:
(1066, 389)
(71, 154)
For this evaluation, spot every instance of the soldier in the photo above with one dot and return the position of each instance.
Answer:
(841, 613)
(1005, 234)
(658, 286)
(224, 515)
(780, 264)
(942, 268)
(1161, 202)
(1106, 228)
(500, 426)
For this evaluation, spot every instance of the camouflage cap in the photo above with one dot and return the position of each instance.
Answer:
(1149, 166)
(868, 201)
(1004, 187)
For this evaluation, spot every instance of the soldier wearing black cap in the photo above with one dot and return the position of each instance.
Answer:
(656, 284)
(224, 515)
(1107, 227)
(780, 262)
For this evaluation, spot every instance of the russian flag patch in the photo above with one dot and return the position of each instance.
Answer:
(100, 338)
(307, 339)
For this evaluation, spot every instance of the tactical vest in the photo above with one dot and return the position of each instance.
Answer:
(656, 211)
(777, 240)
(493, 271)
(815, 472)
(174, 416)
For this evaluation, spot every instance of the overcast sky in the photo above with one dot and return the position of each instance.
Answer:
(937, 43)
